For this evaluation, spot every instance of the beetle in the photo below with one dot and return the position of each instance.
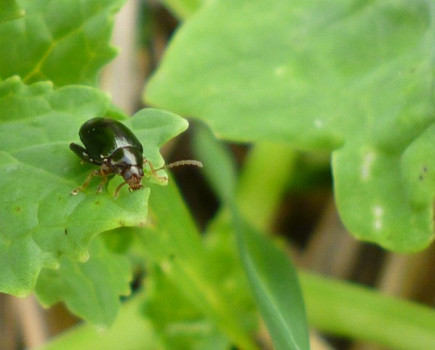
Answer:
(117, 151)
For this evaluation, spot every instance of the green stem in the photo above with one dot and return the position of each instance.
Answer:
(262, 182)
(356, 312)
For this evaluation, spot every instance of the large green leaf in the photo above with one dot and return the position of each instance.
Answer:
(9, 10)
(90, 290)
(63, 41)
(39, 219)
(350, 76)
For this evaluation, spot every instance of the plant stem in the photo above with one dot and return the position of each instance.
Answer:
(356, 312)
(262, 182)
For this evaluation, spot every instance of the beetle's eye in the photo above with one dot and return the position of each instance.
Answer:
(126, 175)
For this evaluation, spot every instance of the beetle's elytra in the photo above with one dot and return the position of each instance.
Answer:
(112, 146)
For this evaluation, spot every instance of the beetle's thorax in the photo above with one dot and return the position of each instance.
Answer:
(127, 162)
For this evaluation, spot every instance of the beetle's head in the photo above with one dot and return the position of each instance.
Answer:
(128, 162)
(133, 176)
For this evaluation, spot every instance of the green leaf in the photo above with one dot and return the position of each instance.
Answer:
(179, 322)
(155, 127)
(9, 10)
(63, 41)
(173, 242)
(130, 331)
(119, 240)
(372, 198)
(272, 277)
(275, 284)
(90, 290)
(355, 77)
(39, 219)
(183, 8)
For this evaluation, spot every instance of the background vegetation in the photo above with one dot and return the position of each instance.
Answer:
(285, 85)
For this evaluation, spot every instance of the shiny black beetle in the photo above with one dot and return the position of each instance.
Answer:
(112, 146)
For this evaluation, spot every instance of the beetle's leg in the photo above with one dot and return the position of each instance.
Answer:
(86, 182)
(154, 171)
(118, 188)
(82, 153)
(103, 180)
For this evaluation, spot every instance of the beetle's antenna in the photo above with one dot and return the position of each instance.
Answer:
(170, 165)
(182, 162)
